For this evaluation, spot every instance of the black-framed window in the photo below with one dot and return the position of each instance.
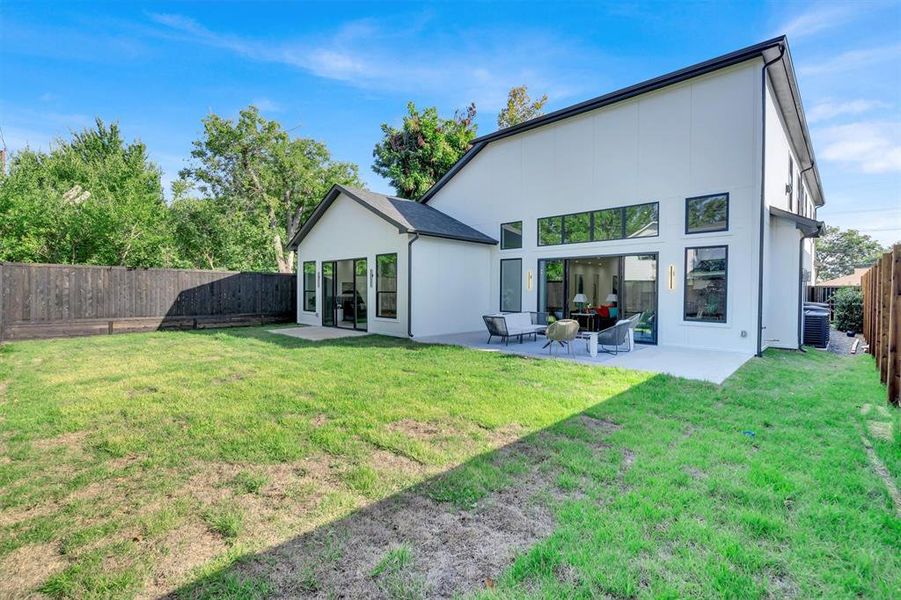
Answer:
(789, 187)
(641, 220)
(386, 286)
(608, 224)
(577, 228)
(637, 220)
(704, 214)
(706, 283)
(511, 235)
(309, 286)
(550, 231)
(511, 285)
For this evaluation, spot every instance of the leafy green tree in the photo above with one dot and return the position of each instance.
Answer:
(209, 236)
(418, 154)
(520, 107)
(93, 199)
(260, 177)
(839, 251)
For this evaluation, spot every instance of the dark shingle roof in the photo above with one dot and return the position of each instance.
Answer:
(408, 216)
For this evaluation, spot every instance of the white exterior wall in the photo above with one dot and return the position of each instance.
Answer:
(782, 291)
(782, 285)
(348, 230)
(451, 286)
(696, 138)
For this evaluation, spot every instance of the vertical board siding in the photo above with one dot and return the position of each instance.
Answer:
(38, 300)
(881, 286)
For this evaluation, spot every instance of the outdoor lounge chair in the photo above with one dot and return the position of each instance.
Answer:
(613, 338)
(520, 324)
(561, 332)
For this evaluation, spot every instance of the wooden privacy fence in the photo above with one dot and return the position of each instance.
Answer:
(41, 301)
(881, 286)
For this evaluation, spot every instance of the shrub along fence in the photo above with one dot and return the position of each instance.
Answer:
(881, 286)
(42, 301)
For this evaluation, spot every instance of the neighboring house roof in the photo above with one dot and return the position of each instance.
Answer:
(784, 84)
(809, 227)
(408, 216)
(846, 280)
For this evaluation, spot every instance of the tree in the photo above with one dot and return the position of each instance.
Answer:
(839, 251)
(414, 157)
(262, 178)
(520, 107)
(93, 199)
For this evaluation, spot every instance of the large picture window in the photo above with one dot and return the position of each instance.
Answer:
(511, 235)
(639, 220)
(309, 286)
(386, 286)
(705, 283)
(511, 285)
(705, 214)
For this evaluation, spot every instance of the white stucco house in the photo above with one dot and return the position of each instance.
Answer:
(690, 198)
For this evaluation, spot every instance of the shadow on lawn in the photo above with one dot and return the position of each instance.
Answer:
(264, 334)
(455, 532)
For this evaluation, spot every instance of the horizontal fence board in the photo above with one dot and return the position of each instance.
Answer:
(45, 301)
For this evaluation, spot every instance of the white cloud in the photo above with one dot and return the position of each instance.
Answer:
(869, 146)
(820, 17)
(852, 60)
(478, 66)
(829, 110)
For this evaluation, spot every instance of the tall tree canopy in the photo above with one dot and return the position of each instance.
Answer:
(261, 179)
(93, 199)
(520, 107)
(839, 251)
(414, 157)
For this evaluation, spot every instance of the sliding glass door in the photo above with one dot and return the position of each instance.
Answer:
(598, 291)
(344, 292)
(328, 294)
(639, 294)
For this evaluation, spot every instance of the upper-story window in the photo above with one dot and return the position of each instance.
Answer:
(788, 187)
(511, 235)
(638, 220)
(704, 214)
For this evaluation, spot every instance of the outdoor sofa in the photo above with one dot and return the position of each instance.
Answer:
(519, 324)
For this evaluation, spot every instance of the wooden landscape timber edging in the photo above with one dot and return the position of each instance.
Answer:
(881, 286)
(46, 301)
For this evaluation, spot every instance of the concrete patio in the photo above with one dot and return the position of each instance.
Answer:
(317, 334)
(706, 365)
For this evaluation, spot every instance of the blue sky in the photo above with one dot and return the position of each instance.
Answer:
(335, 71)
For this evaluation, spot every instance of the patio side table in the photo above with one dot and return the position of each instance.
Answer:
(591, 339)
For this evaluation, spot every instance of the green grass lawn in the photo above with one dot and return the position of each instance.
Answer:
(139, 465)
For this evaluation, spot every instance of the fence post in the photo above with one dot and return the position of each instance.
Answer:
(2, 287)
(893, 375)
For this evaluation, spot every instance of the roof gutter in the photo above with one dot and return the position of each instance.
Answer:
(410, 284)
(763, 215)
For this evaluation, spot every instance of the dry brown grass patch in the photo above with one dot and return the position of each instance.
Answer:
(28, 567)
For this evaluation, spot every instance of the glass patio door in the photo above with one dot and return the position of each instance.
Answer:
(639, 294)
(348, 293)
(328, 294)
